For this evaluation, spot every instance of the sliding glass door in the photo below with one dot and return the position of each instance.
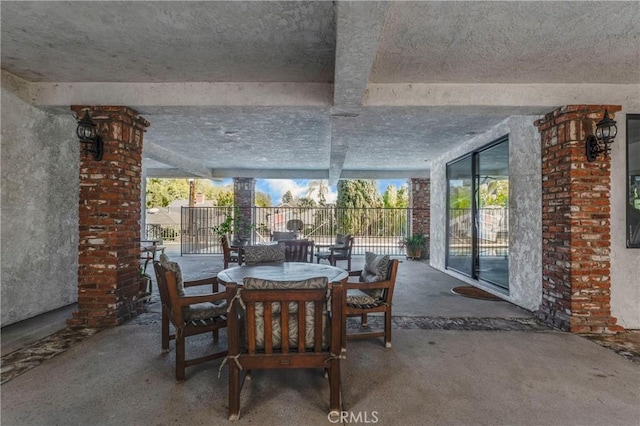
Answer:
(460, 186)
(478, 200)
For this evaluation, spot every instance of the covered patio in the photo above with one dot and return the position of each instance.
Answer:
(455, 360)
(327, 90)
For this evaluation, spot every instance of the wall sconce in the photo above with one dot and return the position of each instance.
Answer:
(89, 138)
(606, 131)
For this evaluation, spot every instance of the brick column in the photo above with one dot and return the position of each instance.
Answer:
(420, 202)
(109, 247)
(244, 194)
(576, 235)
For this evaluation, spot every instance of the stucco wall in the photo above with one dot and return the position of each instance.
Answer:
(525, 225)
(39, 235)
(625, 262)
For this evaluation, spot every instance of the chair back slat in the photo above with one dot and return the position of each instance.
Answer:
(299, 250)
(268, 328)
(251, 331)
(387, 294)
(168, 291)
(162, 284)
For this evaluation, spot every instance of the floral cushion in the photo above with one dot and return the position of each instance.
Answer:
(175, 268)
(203, 311)
(197, 311)
(376, 268)
(264, 253)
(357, 297)
(276, 320)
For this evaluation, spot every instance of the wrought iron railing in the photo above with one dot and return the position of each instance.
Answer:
(377, 230)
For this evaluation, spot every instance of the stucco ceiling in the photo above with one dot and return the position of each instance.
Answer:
(316, 89)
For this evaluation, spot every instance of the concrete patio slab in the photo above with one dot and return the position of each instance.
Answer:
(454, 361)
(429, 377)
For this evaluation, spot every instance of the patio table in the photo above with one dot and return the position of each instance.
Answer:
(282, 271)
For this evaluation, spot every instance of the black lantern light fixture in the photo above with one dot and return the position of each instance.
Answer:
(597, 144)
(89, 137)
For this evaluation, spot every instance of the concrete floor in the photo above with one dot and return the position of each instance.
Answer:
(454, 361)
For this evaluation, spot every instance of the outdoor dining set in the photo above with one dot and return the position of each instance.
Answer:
(280, 309)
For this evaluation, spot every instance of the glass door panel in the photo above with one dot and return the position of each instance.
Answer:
(492, 183)
(460, 190)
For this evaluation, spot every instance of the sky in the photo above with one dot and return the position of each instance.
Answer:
(276, 188)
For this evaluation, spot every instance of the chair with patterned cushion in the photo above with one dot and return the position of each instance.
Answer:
(289, 324)
(373, 293)
(264, 253)
(340, 250)
(298, 251)
(189, 314)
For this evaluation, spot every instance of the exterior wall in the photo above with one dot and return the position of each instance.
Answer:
(420, 202)
(39, 208)
(525, 233)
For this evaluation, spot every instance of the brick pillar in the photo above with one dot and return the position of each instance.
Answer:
(576, 235)
(420, 202)
(244, 194)
(109, 247)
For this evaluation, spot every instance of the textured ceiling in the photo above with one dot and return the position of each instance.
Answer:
(317, 89)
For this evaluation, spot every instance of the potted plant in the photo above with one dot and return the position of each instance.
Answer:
(225, 228)
(414, 245)
(230, 225)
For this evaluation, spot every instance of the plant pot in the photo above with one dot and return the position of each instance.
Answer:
(415, 253)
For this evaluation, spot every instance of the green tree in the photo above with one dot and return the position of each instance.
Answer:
(161, 192)
(262, 199)
(390, 197)
(403, 197)
(356, 199)
(306, 202)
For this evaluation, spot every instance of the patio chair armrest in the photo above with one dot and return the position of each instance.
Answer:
(213, 281)
(367, 286)
(323, 245)
(354, 273)
(200, 298)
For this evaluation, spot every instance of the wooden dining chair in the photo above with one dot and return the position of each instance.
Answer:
(340, 250)
(229, 255)
(298, 251)
(189, 314)
(289, 324)
(372, 293)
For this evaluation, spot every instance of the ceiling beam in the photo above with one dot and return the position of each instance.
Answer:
(176, 160)
(358, 29)
(140, 95)
(498, 95)
(339, 147)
